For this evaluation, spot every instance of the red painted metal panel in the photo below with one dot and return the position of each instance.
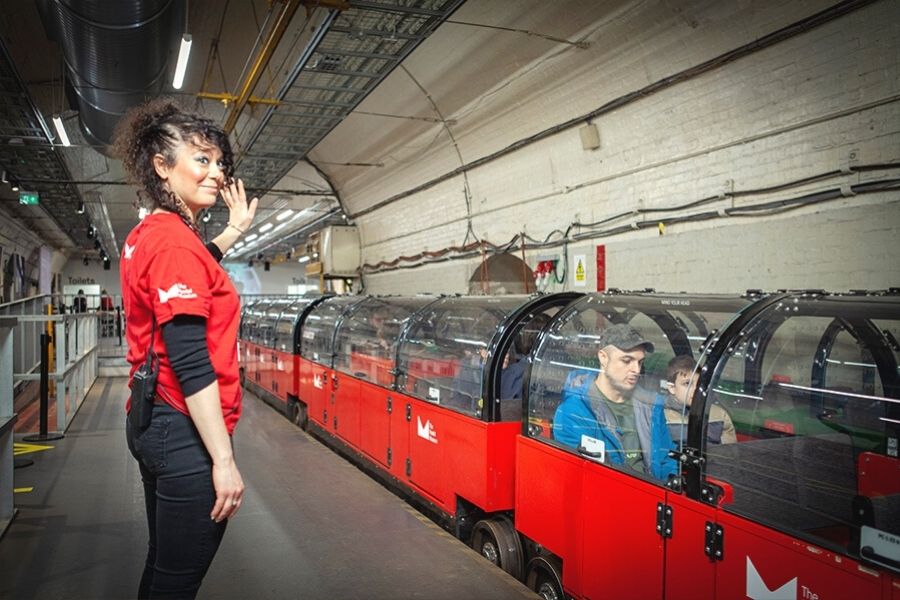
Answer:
(375, 434)
(601, 268)
(500, 478)
(400, 432)
(894, 592)
(619, 515)
(282, 375)
(264, 368)
(756, 556)
(689, 572)
(294, 383)
(249, 361)
(548, 505)
(429, 436)
(346, 419)
(314, 388)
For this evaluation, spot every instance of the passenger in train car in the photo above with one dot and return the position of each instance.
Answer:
(378, 325)
(681, 382)
(182, 308)
(512, 377)
(608, 416)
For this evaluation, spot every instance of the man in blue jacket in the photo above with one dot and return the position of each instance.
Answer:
(608, 417)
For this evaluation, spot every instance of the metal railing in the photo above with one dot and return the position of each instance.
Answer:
(75, 342)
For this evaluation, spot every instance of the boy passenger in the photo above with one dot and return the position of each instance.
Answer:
(681, 381)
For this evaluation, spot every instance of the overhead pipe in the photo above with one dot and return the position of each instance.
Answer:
(116, 55)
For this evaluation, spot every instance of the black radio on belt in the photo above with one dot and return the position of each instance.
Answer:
(143, 388)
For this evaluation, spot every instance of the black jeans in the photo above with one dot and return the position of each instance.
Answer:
(179, 494)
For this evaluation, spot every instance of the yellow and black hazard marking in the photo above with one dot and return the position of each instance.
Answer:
(23, 490)
(19, 448)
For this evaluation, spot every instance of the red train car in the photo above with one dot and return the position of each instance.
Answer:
(774, 473)
(804, 503)
(399, 385)
(268, 350)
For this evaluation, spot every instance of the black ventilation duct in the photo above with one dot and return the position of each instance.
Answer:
(117, 55)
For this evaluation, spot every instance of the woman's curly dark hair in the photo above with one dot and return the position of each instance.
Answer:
(158, 127)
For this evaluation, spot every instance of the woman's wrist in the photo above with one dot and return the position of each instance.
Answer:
(232, 225)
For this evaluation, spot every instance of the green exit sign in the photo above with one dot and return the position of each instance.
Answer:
(28, 198)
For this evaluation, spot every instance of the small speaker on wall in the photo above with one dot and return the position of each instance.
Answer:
(590, 136)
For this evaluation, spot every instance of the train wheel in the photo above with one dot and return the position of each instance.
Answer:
(545, 578)
(299, 416)
(496, 540)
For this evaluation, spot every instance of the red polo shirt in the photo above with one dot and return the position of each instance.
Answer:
(166, 271)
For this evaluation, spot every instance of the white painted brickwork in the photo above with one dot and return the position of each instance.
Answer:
(810, 105)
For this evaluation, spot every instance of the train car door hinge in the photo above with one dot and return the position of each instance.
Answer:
(408, 467)
(663, 520)
(390, 405)
(389, 459)
(409, 412)
(714, 546)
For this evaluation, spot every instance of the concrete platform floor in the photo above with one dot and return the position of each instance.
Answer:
(312, 526)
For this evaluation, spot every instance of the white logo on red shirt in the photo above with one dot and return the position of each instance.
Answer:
(178, 290)
(129, 250)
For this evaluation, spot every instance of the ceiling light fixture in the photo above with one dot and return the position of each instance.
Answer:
(61, 130)
(251, 237)
(284, 215)
(81, 209)
(143, 212)
(181, 66)
(15, 186)
(207, 217)
(265, 227)
(238, 245)
(303, 259)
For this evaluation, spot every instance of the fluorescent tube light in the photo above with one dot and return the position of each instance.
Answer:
(250, 237)
(181, 66)
(284, 215)
(61, 130)
(265, 227)
(303, 259)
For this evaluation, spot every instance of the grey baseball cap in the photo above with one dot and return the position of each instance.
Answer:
(623, 337)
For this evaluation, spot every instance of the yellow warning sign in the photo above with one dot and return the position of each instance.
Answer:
(580, 270)
(20, 448)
